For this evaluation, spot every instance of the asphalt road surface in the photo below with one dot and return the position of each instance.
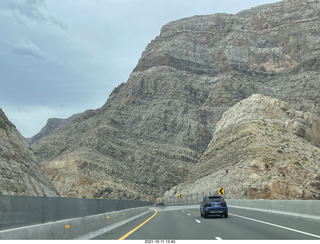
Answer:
(184, 223)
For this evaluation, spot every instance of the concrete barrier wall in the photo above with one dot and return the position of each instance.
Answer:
(302, 208)
(78, 228)
(18, 211)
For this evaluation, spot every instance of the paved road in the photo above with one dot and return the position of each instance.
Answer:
(182, 223)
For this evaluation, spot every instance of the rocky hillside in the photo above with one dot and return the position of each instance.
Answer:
(155, 127)
(261, 149)
(52, 124)
(20, 170)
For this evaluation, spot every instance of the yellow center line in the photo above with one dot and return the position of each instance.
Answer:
(130, 232)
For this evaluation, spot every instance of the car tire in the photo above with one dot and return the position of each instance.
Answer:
(201, 214)
(226, 215)
(204, 215)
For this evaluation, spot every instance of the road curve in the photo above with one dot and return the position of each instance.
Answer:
(185, 223)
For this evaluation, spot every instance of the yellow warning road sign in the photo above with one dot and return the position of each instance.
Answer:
(180, 196)
(155, 199)
(221, 191)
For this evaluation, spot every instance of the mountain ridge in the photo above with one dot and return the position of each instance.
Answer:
(51, 125)
(154, 128)
(262, 149)
(20, 171)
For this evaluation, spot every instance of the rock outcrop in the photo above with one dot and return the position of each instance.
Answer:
(20, 171)
(261, 149)
(155, 127)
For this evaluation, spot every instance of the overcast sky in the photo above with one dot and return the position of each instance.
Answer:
(61, 57)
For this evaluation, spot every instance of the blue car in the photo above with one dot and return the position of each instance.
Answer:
(213, 205)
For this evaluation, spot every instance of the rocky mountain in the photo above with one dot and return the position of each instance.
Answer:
(154, 128)
(261, 149)
(20, 171)
(52, 124)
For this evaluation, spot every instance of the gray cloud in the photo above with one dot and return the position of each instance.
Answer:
(27, 8)
(28, 49)
(30, 9)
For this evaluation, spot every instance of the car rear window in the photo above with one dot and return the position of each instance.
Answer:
(215, 199)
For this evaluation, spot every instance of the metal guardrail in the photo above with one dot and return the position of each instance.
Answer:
(18, 211)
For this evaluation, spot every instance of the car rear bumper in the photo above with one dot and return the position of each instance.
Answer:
(216, 211)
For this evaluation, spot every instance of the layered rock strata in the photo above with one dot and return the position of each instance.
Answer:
(155, 127)
(20, 172)
(261, 149)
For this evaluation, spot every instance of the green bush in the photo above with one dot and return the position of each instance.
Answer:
(297, 163)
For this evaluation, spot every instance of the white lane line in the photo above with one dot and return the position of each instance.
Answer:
(198, 221)
(279, 226)
(182, 211)
(189, 214)
(218, 238)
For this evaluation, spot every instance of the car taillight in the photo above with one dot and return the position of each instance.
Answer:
(224, 203)
(206, 203)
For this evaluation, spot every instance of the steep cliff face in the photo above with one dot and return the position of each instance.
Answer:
(154, 128)
(261, 149)
(20, 171)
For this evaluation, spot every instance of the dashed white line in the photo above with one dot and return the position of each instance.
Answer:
(218, 238)
(198, 221)
(189, 214)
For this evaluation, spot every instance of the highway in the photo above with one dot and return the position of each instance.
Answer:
(184, 223)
